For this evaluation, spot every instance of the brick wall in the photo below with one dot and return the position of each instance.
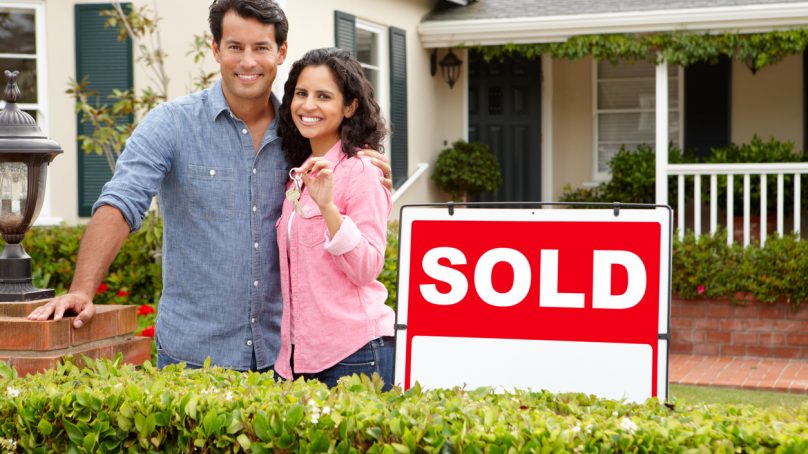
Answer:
(751, 328)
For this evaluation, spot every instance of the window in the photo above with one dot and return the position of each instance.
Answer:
(625, 106)
(372, 53)
(19, 50)
(22, 48)
(382, 52)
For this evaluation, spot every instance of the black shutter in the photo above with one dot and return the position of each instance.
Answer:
(707, 106)
(107, 63)
(345, 31)
(398, 105)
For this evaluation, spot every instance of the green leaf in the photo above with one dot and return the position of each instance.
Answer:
(44, 427)
(261, 426)
(293, 416)
(244, 441)
(73, 432)
(319, 442)
(89, 442)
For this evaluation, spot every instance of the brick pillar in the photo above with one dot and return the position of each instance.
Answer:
(33, 346)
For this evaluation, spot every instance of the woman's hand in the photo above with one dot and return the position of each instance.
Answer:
(317, 175)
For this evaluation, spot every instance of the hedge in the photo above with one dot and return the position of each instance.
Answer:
(702, 267)
(110, 407)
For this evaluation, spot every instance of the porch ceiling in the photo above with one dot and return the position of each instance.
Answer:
(493, 22)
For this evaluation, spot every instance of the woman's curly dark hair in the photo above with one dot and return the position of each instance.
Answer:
(364, 129)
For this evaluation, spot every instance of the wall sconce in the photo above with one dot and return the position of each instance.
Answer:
(449, 66)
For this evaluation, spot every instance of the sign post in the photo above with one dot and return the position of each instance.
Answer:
(568, 300)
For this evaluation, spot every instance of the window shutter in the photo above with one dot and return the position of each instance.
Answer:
(107, 63)
(345, 31)
(398, 105)
(707, 106)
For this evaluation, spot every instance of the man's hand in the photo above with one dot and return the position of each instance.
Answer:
(75, 302)
(383, 162)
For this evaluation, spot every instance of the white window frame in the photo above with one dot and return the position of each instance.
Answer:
(598, 176)
(42, 106)
(382, 91)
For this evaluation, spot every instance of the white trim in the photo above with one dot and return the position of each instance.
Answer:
(465, 69)
(662, 130)
(382, 91)
(487, 32)
(282, 73)
(42, 105)
(410, 180)
(546, 144)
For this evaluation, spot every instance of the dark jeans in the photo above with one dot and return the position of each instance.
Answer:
(375, 356)
(164, 360)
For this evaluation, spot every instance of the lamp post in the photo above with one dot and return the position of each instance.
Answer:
(24, 157)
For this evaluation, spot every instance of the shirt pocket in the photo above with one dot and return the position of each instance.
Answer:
(310, 226)
(212, 191)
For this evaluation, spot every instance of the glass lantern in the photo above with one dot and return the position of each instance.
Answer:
(24, 157)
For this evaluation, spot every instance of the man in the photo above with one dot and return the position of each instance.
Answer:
(215, 160)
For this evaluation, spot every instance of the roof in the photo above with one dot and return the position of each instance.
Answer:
(492, 22)
(502, 9)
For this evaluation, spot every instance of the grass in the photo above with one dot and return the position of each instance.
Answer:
(713, 395)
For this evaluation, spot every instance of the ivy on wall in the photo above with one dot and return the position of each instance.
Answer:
(756, 50)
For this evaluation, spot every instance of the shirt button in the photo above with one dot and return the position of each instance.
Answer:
(255, 283)
(255, 208)
(212, 172)
(249, 342)
(255, 171)
(255, 245)
(252, 320)
(244, 131)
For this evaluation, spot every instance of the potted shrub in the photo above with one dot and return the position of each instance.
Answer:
(466, 169)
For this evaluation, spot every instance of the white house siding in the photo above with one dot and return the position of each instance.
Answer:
(572, 123)
(768, 103)
(181, 19)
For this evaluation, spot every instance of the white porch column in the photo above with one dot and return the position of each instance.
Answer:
(662, 132)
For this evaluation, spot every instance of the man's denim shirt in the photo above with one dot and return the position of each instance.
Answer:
(220, 201)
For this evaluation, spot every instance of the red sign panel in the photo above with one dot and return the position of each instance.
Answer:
(577, 282)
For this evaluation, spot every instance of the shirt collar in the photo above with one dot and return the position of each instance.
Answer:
(218, 103)
(335, 154)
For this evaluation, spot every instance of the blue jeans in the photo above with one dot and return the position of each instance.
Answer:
(375, 356)
(164, 360)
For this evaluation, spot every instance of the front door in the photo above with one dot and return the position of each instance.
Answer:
(505, 114)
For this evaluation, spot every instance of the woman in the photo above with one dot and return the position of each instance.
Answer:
(332, 231)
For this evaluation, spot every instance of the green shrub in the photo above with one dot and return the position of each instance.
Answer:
(633, 176)
(110, 407)
(135, 276)
(707, 267)
(756, 151)
(389, 274)
(465, 169)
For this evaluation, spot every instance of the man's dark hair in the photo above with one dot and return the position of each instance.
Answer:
(265, 11)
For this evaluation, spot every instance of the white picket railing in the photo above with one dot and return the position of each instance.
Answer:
(750, 173)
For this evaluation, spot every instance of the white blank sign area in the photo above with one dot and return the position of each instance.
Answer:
(610, 370)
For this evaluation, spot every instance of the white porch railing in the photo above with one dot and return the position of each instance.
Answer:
(750, 174)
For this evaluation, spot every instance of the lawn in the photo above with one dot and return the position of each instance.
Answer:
(713, 395)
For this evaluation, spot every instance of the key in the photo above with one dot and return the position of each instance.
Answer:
(293, 193)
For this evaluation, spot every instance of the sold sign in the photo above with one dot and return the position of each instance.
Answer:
(564, 300)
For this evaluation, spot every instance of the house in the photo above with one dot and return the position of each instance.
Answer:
(551, 120)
